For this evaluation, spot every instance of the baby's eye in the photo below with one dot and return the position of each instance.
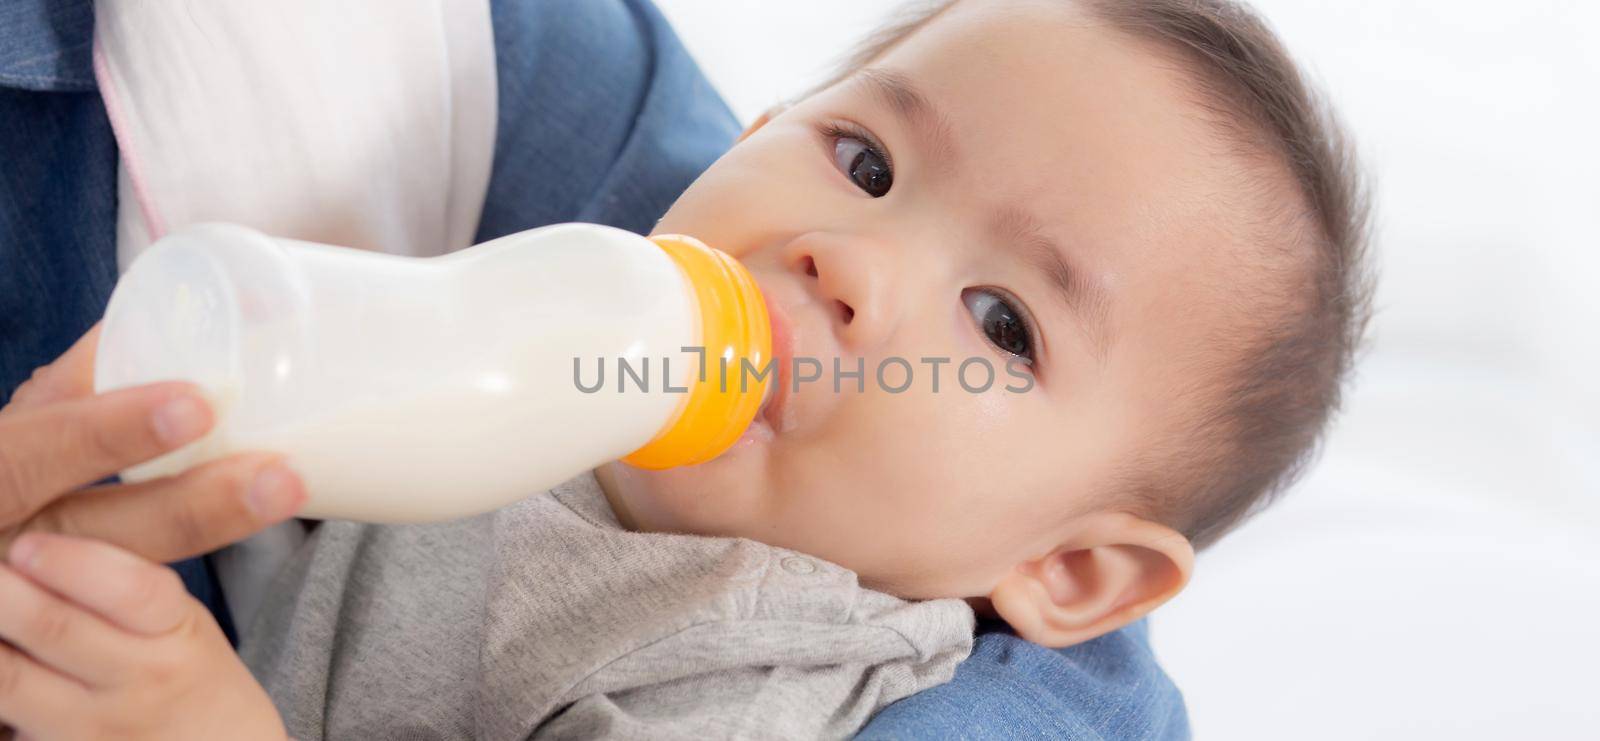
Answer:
(861, 160)
(1000, 321)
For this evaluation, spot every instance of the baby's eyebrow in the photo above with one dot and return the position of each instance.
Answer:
(1022, 232)
(900, 94)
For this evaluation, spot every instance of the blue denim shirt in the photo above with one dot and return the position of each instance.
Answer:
(603, 118)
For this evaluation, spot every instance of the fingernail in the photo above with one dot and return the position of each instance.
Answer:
(179, 421)
(274, 494)
(25, 552)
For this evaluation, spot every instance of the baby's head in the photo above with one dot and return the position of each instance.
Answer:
(1139, 198)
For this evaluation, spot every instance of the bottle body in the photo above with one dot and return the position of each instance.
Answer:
(411, 389)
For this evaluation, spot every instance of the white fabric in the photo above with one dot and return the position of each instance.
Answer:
(363, 123)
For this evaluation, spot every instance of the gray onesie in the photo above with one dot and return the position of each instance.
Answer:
(548, 619)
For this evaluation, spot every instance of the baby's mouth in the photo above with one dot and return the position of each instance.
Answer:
(773, 398)
(767, 395)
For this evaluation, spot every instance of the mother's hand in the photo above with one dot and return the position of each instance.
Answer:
(57, 436)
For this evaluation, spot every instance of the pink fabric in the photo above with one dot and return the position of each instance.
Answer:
(126, 146)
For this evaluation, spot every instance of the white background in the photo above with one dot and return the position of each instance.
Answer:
(1438, 574)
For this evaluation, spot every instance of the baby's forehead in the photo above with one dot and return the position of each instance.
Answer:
(1083, 124)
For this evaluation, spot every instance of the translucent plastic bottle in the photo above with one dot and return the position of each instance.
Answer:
(412, 389)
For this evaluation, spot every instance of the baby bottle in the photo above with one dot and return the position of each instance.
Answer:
(408, 389)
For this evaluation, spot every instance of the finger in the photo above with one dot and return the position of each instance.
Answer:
(195, 512)
(49, 450)
(34, 698)
(123, 589)
(59, 634)
(67, 377)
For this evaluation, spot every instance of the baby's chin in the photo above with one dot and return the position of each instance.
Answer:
(720, 497)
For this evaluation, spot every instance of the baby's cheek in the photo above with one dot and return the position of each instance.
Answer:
(921, 446)
(765, 189)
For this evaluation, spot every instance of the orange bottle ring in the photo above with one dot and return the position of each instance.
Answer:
(723, 399)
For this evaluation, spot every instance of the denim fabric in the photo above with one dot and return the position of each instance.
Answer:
(604, 118)
(58, 186)
(1107, 688)
(45, 45)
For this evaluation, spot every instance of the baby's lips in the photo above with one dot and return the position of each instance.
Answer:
(773, 399)
(768, 393)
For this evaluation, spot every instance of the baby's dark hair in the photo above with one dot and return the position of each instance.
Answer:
(1263, 416)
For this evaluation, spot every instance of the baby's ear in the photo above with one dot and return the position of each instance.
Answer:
(1113, 571)
(762, 120)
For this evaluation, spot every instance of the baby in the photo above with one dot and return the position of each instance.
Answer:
(1137, 204)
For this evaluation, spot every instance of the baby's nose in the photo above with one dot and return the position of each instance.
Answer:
(844, 313)
(854, 277)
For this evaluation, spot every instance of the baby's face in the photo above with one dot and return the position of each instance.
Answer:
(1034, 187)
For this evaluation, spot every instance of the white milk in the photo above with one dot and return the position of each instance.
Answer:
(409, 389)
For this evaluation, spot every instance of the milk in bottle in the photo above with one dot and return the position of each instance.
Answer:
(410, 389)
